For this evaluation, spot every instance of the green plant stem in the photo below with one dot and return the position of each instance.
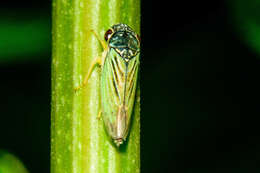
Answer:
(79, 143)
(10, 163)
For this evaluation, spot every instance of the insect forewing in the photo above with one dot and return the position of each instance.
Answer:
(118, 86)
(131, 83)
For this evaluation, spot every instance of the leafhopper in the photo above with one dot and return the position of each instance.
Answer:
(119, 65)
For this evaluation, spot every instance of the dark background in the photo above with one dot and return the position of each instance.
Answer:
(199, 83)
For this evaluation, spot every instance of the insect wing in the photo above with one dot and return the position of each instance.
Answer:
(118, 85)
(131, 84)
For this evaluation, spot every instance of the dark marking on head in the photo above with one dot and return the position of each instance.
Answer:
(108, 34)
(124, 41)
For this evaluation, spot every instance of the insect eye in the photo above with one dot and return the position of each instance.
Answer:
(107, 34)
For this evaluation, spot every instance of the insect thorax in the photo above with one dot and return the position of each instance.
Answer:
(124, 41)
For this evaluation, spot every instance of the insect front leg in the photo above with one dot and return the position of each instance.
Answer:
(102, 42)
(97, 61)
(99, 114)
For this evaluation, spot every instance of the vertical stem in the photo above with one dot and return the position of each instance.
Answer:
(79, 142)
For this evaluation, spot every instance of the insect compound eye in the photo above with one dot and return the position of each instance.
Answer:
(107, 34)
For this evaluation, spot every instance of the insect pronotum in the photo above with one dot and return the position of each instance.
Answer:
(119, 64)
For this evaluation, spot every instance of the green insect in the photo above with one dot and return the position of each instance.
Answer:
(119, 64)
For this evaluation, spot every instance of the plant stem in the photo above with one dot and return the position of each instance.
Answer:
(79, 142)
(10, 163)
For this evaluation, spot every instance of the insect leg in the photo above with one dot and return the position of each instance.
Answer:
(97, 61)
(99, 115)
(102, 42)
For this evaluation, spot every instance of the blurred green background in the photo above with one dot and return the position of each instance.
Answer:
(199, 83)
